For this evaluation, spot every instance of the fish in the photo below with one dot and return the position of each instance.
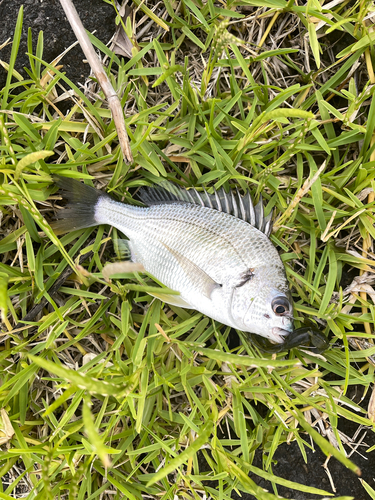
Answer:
(213, 249)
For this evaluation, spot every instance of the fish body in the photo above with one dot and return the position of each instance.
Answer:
(203, 247)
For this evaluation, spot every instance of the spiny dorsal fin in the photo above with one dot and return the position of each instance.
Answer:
(239, 206)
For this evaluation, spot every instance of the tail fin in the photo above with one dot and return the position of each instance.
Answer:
(80, 211)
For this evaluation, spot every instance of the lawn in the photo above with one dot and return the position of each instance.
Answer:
(107, 392)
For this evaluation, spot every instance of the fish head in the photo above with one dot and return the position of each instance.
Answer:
(263, 306)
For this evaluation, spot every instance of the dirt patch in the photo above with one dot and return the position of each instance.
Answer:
(48, 16)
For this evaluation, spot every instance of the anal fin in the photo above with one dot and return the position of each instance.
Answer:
(122, 249)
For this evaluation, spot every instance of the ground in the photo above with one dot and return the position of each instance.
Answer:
(99, 16)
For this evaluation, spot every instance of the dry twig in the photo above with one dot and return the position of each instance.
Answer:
(112, 98)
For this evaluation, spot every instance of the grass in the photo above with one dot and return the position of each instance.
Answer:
(109, 393)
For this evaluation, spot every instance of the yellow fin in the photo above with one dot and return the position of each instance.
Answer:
(121, 267)
(174, 300)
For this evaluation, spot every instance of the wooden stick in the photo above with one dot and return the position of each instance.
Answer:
(96, 66)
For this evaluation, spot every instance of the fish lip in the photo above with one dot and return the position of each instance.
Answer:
(278, 335)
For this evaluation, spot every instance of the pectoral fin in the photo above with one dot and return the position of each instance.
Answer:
(201, 280)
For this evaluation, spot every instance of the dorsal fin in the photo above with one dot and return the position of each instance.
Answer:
(234, 204)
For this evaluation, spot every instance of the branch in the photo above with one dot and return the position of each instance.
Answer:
(96, 66)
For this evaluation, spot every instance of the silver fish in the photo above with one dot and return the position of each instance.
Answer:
(212, 249)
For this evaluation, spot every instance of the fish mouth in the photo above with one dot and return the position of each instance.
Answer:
(278, 335)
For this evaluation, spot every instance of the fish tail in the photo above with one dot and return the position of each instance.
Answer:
(81, 209)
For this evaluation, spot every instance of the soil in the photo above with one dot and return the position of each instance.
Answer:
(290, 465)
(47, 15)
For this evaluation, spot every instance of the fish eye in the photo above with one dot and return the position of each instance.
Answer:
(280, 306)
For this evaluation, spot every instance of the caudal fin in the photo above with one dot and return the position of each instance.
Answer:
(80, 211)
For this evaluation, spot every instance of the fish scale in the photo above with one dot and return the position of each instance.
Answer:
(199, 232)
(221, 265)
